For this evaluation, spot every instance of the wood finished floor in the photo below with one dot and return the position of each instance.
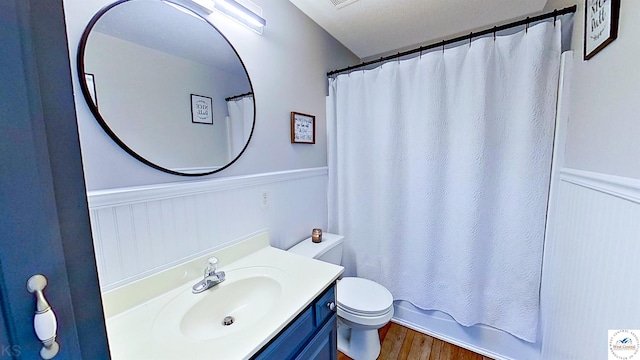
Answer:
(399, 343)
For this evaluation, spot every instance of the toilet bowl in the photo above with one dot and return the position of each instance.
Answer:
(364, 306)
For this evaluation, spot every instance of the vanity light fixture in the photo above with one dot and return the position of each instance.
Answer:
(242, 14)
(236, 11)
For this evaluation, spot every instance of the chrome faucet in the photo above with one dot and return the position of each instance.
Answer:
(211, 277)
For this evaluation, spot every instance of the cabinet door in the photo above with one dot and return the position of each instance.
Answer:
(324, 345)
(44, 219)
(287, 344)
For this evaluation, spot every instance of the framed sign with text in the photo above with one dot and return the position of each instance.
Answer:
(600, 25)
(201, 109)
(303, 128)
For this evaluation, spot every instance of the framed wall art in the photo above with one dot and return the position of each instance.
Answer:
(201, 109)
(600, 25)
(303, 128)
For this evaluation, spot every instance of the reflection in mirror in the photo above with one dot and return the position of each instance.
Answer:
(171, 89)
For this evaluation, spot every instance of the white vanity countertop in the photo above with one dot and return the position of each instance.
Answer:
(137, 321)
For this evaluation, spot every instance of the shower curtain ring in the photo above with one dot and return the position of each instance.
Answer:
(526, 30)
(470, 37)
(555, 16)
(443, 46)
(494, 33)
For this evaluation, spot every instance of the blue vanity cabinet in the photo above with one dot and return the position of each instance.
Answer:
(311, 336)
(324, 345)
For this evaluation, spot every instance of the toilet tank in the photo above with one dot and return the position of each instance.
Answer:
(329, 250)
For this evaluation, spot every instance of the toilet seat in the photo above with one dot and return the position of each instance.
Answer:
(360, 314)
(363, 297)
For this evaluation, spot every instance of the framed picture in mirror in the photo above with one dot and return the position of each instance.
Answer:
(303, 128)
(201, 109)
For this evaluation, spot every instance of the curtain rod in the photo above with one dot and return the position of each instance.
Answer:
(238, 96)
(553, 14)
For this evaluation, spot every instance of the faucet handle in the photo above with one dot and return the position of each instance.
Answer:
(212, 264)
(213, 261)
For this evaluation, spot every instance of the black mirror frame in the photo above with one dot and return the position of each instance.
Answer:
(94, 109)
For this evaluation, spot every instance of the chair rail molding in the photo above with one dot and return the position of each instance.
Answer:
(125, 196)
(621, 187)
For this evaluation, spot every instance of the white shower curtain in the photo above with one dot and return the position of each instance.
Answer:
(239, 123)
(439, 173)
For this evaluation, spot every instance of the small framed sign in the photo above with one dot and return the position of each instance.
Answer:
(201, 109)
(600, 25)
(303, 128)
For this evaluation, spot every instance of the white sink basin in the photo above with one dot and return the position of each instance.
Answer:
(247, 295)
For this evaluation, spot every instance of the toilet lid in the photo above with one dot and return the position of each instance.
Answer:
(363, 296)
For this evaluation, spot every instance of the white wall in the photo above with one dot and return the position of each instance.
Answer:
(287, 67)
(604, 127)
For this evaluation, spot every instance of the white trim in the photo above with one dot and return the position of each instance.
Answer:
(559, 143)
(562, 110)
(618, 186)
(196, 170)
(124, 196)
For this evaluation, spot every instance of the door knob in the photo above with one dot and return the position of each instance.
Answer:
(44, 321)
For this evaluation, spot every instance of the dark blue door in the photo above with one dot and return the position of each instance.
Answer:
(44, 222)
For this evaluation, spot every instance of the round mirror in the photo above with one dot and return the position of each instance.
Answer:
(167, 86)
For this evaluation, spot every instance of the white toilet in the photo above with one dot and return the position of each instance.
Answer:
(364, 306)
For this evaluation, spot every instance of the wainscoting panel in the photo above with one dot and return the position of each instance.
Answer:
(139, 231)
(591, 275)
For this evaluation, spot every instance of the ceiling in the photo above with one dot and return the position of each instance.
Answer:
(371, 28)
